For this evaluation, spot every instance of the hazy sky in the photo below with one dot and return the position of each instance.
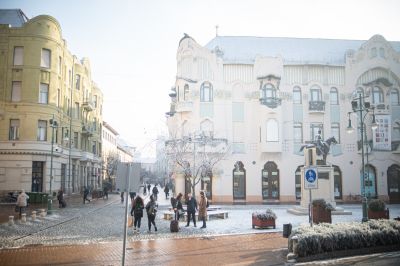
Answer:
(132, 44)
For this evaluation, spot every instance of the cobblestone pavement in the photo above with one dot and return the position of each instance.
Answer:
(100, 225)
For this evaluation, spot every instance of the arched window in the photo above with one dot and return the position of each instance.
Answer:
(206, 92)
(335, 131)
(316, 94)
(272, 130)
(334, 96)
(296, 95)
(377, 95)
(337, 182)
(268, 91)
(186, 93)
(270, 181)
(394, 97)
(239, 181)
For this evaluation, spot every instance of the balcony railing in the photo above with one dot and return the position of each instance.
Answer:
(271, 102)
(88, 105)
(184, 107)
(87, 130)
(316, 106)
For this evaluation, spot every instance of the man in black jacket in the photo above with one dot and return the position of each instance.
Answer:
(191, 209)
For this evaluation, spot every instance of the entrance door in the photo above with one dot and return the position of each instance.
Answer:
(337, 182)
(369, 182)
(393, 176)
(37, 176)
(270, 181)
(239, 181)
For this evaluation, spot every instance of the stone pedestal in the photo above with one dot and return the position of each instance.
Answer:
(23, 218)
(10, 220)
(33, 215)
(325, 188)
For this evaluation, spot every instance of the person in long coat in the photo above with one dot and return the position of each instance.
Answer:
(137, 212)
(203, 208)
(22, 202)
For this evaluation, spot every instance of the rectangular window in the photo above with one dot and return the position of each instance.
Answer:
(335, 131)
(76, 140)
(69, 78)
(314, 130)
(58, 97)
(297, 133)
(78, 82)
(42, 130)
(14, 129)
(238, 112)
(94, 147)
(95, 101)
(59, 65)
(18, 56)
(76, 114)
(46, 58)
(16, 91)
(44, 93)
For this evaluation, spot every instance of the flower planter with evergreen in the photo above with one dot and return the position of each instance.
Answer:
(376, 209)
(321, 211)
(263, 219)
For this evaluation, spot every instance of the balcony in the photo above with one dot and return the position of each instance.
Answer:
(275, 146)
(271, 102)
(316, 106)
(184, 107)
(88, 105)
(87, 130)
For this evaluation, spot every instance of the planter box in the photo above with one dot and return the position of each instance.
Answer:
(263, 223)
(321, 215)
(378, 214)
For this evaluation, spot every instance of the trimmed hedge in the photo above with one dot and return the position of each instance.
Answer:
(343, 236)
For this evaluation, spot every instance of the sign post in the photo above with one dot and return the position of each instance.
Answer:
(310, 182)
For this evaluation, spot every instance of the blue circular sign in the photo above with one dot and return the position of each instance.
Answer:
(311, 175)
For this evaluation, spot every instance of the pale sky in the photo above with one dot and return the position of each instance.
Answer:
(132, 44)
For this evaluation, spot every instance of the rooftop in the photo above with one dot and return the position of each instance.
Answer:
(244, 49)
(13, 17)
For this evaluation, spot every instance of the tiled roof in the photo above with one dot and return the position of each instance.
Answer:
(292, 50)
(13, 17)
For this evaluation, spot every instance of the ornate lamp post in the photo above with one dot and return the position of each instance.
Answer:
(362, 108)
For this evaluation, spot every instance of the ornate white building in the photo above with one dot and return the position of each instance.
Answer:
(268, 96)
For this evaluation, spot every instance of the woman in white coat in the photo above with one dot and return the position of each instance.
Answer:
(22, 202)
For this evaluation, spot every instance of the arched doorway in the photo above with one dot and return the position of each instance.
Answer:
(239, 181)
(393, 180)
(337, 182)
(270, 181)
(369, 182)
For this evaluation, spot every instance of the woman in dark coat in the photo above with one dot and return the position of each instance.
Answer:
(137, 212)
(151, 209)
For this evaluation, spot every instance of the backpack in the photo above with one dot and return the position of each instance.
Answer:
(173, 202)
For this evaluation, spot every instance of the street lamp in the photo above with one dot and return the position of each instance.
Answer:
(362, 107)
(53, 125)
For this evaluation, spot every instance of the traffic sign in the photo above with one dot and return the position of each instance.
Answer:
(310, 178)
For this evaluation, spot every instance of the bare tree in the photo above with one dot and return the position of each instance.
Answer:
(110, 165)
(196, 156)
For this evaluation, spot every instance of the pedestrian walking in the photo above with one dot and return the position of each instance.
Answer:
(155, 192)
(137, 212)
(166, 191)
(122, 197)
(151, 209)
(191, 209)
(179, 207)
(60, 197)
(22, 202)
(148, 187)
(85, 195)
(105, 190)
(203, 208)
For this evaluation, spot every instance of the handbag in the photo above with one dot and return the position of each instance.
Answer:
(130, 221)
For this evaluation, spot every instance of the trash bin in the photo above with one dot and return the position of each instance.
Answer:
(287, 230)
(32, 197)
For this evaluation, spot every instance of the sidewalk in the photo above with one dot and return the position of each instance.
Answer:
(253, 249)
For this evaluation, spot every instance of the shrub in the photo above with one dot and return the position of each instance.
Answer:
(376, 205)
(267, 215)
(322, 203)
(341, 236)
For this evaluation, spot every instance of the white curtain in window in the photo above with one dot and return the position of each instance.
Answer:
(42, 126)
(14, 129)
(44, 92)
(16, 91)
(45, 61)
(272, 130)
(18, 56)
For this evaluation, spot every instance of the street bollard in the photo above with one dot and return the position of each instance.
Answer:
(33, 215)
(42, 213)
(10, 220)
(23, 218)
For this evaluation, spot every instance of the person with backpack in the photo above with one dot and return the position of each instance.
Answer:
(85, 195)
(166, 190)
(191, 209)
(203, 203)
(151, 209)
(137, 212)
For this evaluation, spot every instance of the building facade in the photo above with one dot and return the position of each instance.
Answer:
(50, 109)
(269, 96)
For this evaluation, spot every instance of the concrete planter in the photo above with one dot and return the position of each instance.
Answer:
(378, 214)
(321, 215)
(263, 223)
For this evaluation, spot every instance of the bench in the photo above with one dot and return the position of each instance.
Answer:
(169, 215)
